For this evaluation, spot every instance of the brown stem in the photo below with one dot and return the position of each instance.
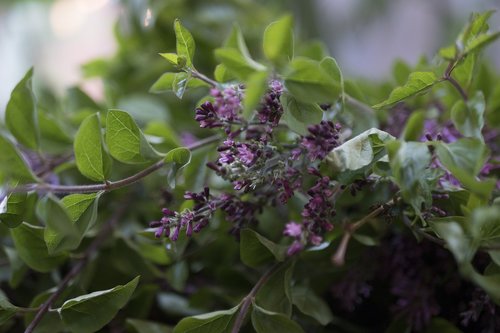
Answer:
(109, 186)
(447, 76)
(104, 233)
(204, 78)
(247, 301)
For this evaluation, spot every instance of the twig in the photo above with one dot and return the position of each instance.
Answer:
(338, 258)
(75, 271)
(109, 186)
(358, 104)
(447, 76)
(204, 78)
(247, 301)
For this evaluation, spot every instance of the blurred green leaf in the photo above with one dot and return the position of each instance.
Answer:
(21, 115)
(278, 40)
(144, 326)
(185, 44)
(7, 310)
(12, 164)
(255, 88)
(299, 115)
(468, 117)
(176, 159)
(276, 294)
(12, 209)
(266, 321)
(91, 158)
(89, 313)
(256, 250)
(213, 322)
(310, 304)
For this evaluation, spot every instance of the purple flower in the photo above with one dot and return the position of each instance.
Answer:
(207, 116)
(271, 110)
(292, 229)
(322, 139)
(295, 248)
(246, 154)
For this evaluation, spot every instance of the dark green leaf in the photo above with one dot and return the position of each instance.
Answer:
(458, 242)
(17, 267)
(30, 244)
(12, 165)
(275, 294)
(177, 275)
(310, 82)
(91, 158)
(213, 322)
(255, 87)
(256, 250)
(89, 313)
(125, 140)
(278, 40)
(7, 310)
(418, 82)
(299, 115)
(441, 325)
(468, 117)
(185, 45)
(20, 115)
(12, 209)
(144, 326)
(310, 304)
(266, 321)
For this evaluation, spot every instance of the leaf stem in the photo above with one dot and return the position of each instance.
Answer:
(204, 78)
(338, 257)
(447, 76)
(355, 103)
(247, 301)
(103, 235)
(109, 186)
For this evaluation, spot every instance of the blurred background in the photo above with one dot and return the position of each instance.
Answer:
(58, 36)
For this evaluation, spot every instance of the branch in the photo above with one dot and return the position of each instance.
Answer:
(109, 186)
(338, 257)
(104, 233)
(355, 103)
(247, 301)
(447, 76)
(204, 78)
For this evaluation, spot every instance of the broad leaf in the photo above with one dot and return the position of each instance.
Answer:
(468, 117)
(20, 115)
(29, 242)
(299, 115)
(144, 326)
(7, 310)
(278, 40)
(213, 322)
(12, 209)
(91, 158)
(12, 164)
(82, 210)
(177, 158)
(185, 45)
(89, 313)
(276, 294)
(238, 65)
(125, 140)
(266, 321)
(418, 82)
(255, 88)
(310, 304)
(256, 250)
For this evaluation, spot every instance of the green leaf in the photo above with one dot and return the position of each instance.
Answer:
(29, 242)
(185, 45)
(180, 83)
(310, 82)
(409, 162)
(358, 152)
(275, 294)
(237, 64)
(91, 158)
(12, 209)
(144, 326)
(60, 233)
(278, 40)
(256, 86)
(125, 140)
(441, 325)
(418, 82)
(256, 250)
(89, 313)
(177, 158)
(299, 115)
(20, 115)
(468, 117)
(480, 42)
(212, 322)
(458, 242)
(12, 165)
(172, 58)
(221, 74)
(18, 269)
(414, 126)
(7, 310)
(464, 158)
(310, 304)
(484, 225)
(167, 81)
(266, 321)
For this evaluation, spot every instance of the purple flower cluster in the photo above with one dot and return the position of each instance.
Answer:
(322, 139)
(240, 213)
(271, 110)
(223, 111)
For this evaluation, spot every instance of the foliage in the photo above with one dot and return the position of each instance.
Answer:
(294, 206)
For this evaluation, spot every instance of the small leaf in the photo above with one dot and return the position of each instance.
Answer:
(310, 304)
(172, 58)
(177, 158)
(275, 294)
(91, 158)
(213, 322)
(7, 310)
(256, 250)
(125, 140)
(60, 234)
(266, 321)
(299, 115)
(89, 313)
(185, 45)
(468, 117)
(236, 63)
(12, 165)
(309, 82)
(29, 242)
(256, 86)
(12, 209)
(278, 40)
(82, 210)
(414, 126)
(18, 269)
(166, 83)
(418, 82)
(20, 115)
(180, 83)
